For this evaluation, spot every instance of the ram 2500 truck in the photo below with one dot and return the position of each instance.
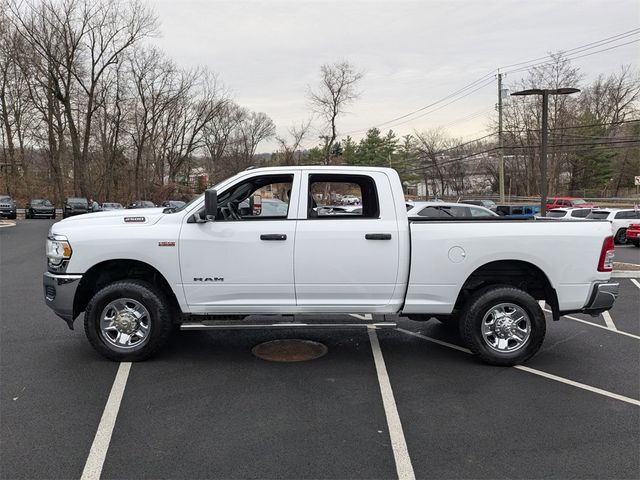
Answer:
(138, 275)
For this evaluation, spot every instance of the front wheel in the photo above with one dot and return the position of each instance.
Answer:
(503, 325)
(128, 321)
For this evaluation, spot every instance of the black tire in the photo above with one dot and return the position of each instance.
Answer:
(480, 305)
(636, 243)
(13, 216)
(53, 217)
(159, 319)
(26, 215)
(621, 236)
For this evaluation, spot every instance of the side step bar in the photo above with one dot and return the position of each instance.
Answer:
(249, 326)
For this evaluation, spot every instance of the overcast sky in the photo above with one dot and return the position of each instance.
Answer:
(412, 53)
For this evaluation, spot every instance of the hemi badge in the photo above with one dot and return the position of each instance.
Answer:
(134, 219)
(166, 244)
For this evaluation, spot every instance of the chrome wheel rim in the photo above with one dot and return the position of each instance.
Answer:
(506, 327)
(125, 323)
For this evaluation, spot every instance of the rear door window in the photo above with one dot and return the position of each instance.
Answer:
(342, 196)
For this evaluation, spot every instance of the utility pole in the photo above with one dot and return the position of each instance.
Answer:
(545, 135)
(500, 152)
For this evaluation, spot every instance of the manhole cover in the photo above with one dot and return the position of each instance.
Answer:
(289, 350)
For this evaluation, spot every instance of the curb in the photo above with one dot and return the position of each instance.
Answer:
(626, 274)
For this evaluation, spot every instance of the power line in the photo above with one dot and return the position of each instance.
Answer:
(573, 51)
(572, 57)
(444, 105)
(453, 94)
(581, 48)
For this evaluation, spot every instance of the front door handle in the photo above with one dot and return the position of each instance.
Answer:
(378, 236)
(273, 236)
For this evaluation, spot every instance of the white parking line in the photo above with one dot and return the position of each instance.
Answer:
(636, 282)
(550, 376)
(98, 452)
(404, 468)
(583, 386)
(608, 320)
(619, 332)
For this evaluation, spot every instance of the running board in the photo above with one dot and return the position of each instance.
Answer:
(249, 326)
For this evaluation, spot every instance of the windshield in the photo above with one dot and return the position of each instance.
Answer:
(77, 201)
(5, 199)
(579, 201)
(45, 203)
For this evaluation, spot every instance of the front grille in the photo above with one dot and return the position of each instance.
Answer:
(50, 292)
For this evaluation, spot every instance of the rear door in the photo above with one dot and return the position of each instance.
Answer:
(346, 261)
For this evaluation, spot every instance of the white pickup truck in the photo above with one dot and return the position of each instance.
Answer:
(259, 243)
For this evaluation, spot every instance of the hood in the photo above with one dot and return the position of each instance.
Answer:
(133, 217)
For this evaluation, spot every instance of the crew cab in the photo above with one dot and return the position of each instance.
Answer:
(137, 275)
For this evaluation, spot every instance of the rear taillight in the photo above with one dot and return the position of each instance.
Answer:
(606, 255)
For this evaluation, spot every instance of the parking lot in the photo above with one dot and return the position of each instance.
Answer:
(404, 402)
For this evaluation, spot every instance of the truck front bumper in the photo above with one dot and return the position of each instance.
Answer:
(59, 294)
(602, 298)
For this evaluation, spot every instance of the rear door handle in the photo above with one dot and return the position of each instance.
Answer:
(378, 236)
(273, 236)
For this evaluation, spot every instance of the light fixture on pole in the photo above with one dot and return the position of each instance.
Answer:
(545, 92)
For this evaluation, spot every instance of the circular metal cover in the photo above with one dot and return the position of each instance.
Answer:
(289, 350)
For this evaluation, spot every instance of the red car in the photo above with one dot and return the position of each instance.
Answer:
(567, 202)
(633, 234)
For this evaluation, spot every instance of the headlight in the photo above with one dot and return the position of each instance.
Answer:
(58, 250)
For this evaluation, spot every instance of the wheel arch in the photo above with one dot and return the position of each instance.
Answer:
(109, 271)
(516, 273)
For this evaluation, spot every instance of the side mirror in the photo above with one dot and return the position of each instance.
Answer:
(210, 204)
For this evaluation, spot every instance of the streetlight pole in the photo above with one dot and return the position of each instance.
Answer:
(545, 135)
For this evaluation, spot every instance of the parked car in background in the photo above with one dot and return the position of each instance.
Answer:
(490, 204)
(8, 207)
(142, 204)
(445, 209)
(173, 204)
(39, 207)
(350, 200)
(633, 234)
(518, 211)
(106, 206)
(567, 202)
(74, 206)
(569, 213)
(619, 218)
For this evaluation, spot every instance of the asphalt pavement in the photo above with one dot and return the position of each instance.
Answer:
(205, 407)
(627, 254)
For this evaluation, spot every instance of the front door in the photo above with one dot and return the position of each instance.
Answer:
(243, 261)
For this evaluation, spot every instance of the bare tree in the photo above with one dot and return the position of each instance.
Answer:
(336, 91)
(289, 153)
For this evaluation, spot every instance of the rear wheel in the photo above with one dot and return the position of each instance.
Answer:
(503, 325)
(636, 243)
(621, 236)
(128, 320)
